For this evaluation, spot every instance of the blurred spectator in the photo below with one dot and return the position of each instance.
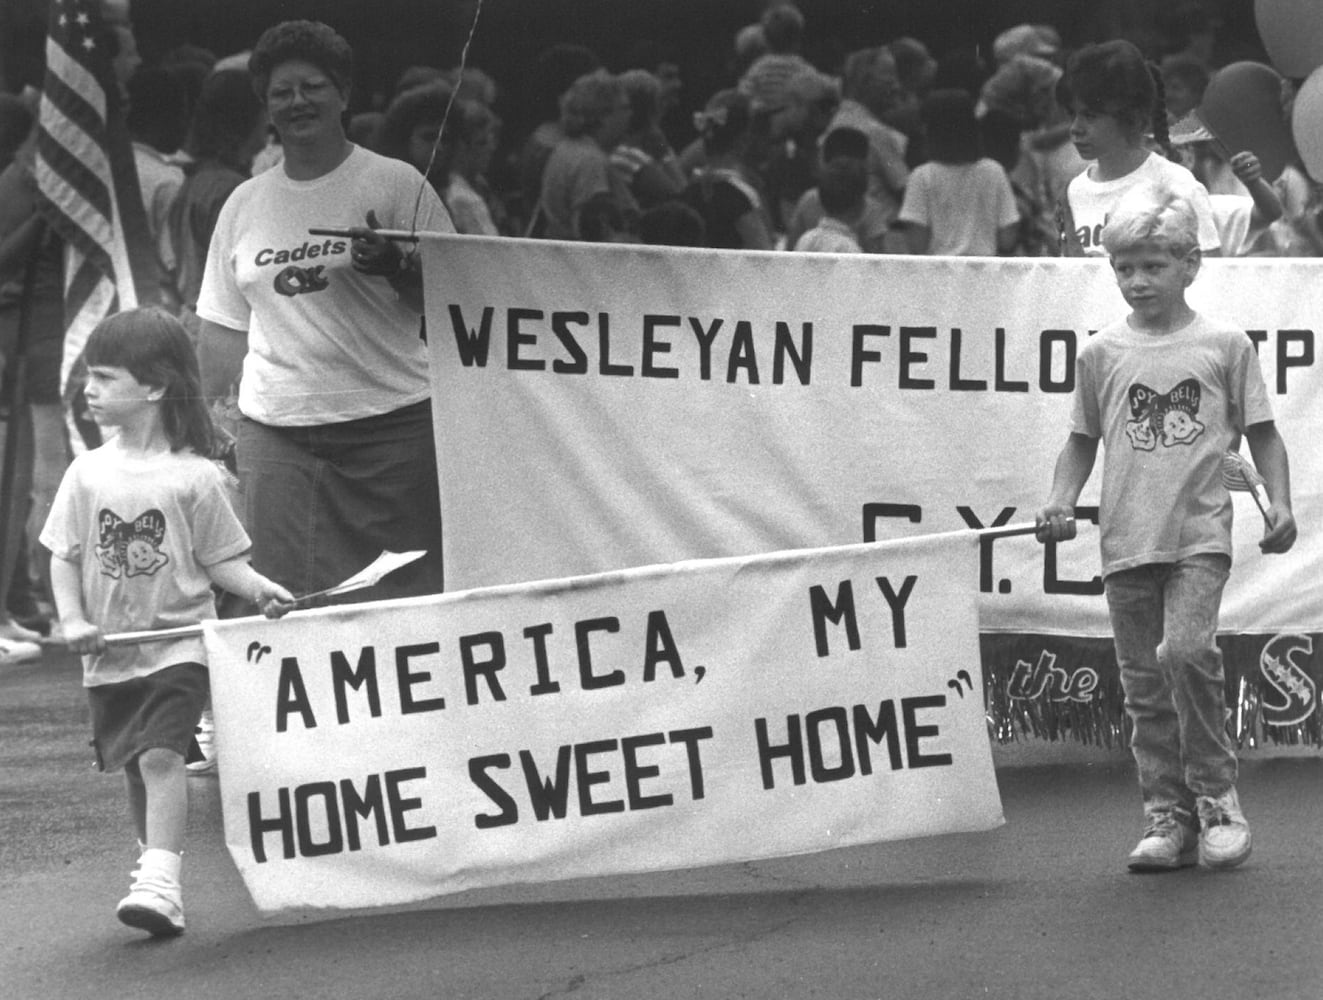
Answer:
(1039, 40)
(962, 68)
(874, 223)
(157, 121)
(765, 80)
(960, 202)
(601, 220)
(190, 65)
(467, 145)
(416, 76)
(1184, 80)
(1026, 130)
(472, 84)
(843, 191)
(915, 69)
(811, 99)
(412, 124)
(672, 224)
(870, 88)
(750, 45)
(1187, 27)
(364, 129)
(724, 191)
(643, 158)
(227, 131)
(554, 70)
(595, 112)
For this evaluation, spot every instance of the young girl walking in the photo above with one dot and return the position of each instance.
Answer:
(1114, 96)
(139, 531)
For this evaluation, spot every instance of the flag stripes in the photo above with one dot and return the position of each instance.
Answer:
(86, 176)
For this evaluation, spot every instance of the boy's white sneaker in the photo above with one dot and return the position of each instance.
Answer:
(1224, 835)
(1167, 844)
(155, 901)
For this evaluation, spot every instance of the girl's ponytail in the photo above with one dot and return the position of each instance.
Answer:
(1161, 133)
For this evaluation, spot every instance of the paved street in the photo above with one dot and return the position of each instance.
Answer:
(1040, 908)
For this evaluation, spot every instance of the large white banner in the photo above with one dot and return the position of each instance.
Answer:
(604, 406)
(651, 719)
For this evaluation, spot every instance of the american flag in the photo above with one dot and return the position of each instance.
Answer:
(85, 174)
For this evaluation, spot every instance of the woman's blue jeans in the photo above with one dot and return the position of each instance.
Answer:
(1164, 619)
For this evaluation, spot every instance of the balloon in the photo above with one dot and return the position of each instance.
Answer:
(1292, 33)
(1242, 107)
(1307, 124)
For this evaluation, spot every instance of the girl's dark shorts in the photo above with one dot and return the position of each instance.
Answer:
(159, 710)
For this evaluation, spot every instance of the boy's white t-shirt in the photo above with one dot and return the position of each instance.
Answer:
(1092, 201)
(325, 343)
(143, 530)
(1167, 407)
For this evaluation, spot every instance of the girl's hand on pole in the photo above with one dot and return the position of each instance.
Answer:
(272, 599)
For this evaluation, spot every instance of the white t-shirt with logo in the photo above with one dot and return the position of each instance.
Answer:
(143, 530)
(1166, 407)
(1092, 201)
(325, 343)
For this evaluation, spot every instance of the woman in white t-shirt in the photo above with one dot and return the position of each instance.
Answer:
(335, 450)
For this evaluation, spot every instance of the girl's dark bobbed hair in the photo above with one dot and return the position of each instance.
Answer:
(1111, 77)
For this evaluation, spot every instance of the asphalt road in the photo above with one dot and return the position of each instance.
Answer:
(1041, 908)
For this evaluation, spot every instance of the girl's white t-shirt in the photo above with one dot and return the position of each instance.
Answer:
(143, 530)
(1092, 201)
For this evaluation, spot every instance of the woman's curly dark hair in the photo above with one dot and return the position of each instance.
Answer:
(419, 105)
(310, 41)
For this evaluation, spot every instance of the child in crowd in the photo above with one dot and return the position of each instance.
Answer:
(1111, 92)
(960, 202)
(672, 224)
(1243, 218)
(1168, 391)
(139, 531)
(843, 189)
(721, 191)
(873, 224)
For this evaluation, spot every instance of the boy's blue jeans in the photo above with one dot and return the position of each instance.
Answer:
(1164, 619)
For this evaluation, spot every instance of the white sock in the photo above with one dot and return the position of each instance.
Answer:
(160, 863)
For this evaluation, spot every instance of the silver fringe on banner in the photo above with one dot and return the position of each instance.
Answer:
(1060, 687)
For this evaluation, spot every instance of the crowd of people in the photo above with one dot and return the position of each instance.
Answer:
(308, 350)
(964, 153)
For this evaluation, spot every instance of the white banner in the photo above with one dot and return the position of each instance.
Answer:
(604, 406)
(652, 719)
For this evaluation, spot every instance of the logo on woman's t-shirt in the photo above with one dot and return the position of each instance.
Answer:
(130, 548)
(1169, 418)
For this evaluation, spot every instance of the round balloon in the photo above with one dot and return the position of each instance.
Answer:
(1242, 107)
(1307, 124)
(1292, 34)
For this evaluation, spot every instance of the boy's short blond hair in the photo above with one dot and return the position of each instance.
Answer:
(1150, 214)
